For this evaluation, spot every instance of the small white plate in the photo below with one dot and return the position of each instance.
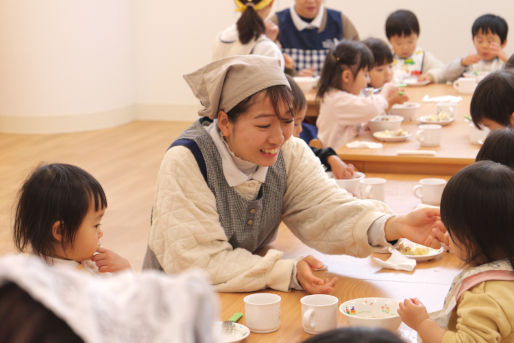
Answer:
(239, 332)
(432, 253)
(414, 82)
(378, 135)
(426, 120)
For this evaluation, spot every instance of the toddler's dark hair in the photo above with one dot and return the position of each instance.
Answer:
(346, 55)
(382, 53)
(401, 23)
(355, 335)
(498, 147)
(299, 101)
(250, 25)
(477, 208)
(490, 23)
(493, 98)
(54, 193)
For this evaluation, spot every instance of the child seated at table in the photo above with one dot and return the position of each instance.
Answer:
(410, 61)
(355, 335)
(498, 147)
(308, 132)
(59, 214)
(477, 210)
(382, 70)
(492, 103)
(343, 108)
(489, 33)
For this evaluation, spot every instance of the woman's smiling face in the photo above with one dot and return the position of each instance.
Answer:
(258, 134)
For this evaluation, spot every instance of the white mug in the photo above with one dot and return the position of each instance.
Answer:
(430, 190)
(465, 85)
(373, 188)
(319, 313)
(429, 134)
(351, 185)
(262, 312)
(447, 107)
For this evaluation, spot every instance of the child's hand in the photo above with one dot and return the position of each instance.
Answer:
(470, 59)
(271, 30)
(340, 169)
(288, 61)
(108, 261)
(311, 283)
(306, 72)
(413, 313)
(425, 77)
(393, 95)
(496, 50)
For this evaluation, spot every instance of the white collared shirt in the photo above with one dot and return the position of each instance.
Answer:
(302, 25)
(235, 170)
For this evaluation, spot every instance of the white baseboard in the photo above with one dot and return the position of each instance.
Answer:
(97, 120)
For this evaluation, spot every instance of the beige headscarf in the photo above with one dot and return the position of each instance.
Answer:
(224, 83)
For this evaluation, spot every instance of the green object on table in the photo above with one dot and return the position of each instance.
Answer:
(400, 93)
(235, 317)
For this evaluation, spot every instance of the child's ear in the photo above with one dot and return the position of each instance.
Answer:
(346, 76)
(504, 44)
(57, 231)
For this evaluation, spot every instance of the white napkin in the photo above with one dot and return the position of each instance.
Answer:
(364, 144)
(442, 98)
(397, 261)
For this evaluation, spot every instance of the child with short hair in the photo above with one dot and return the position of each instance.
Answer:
(58, 215)
(343, 108)
(492, 103)
(477, 210)
(382, 70)
(328, 156)
(489, 33)
(410, 61)
(498, 147)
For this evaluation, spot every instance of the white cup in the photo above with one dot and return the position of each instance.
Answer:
(430, 190)
(351, 185)
(429, 134)
(262, 312)
(447, 107)
(319, 313)
(465, 85)
(372, 188)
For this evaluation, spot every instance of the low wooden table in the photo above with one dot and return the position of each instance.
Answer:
(455, 152)
(358, 277)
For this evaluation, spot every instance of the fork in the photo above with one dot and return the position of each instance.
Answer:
(228, 325)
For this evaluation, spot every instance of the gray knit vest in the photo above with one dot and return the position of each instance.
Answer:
(248, 224)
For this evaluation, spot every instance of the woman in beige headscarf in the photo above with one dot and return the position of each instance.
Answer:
(228, 181)
(248, 35)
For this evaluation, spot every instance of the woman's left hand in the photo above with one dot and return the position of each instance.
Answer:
(311, 283)
(421, 226)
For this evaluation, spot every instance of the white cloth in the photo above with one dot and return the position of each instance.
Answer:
(186, 230)
(397, 261)
(126, 307)
(442, 98)
(364, 144)
(228, 44)
(341, 114)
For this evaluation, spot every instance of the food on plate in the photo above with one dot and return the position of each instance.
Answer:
(393, 133)
(441, 116)
(411, 248)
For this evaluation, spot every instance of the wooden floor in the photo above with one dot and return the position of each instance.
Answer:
(124, 159)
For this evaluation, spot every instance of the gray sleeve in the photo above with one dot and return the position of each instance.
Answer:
(349, 30)
(454, 70)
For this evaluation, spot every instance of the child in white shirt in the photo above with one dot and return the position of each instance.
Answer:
(410, 61)
(343, 108)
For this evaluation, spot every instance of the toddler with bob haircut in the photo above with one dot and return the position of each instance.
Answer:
(58, 215)
(489, 33)
(498, 147)
(492, 103)
(382, 70)
(410, 61)
(477, 209)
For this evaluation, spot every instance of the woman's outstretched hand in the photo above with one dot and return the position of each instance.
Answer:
(311, 283)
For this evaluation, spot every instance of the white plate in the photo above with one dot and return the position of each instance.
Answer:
(433, 253)
(390, 139)
(239, 332)
(414, 82)
(425, 120)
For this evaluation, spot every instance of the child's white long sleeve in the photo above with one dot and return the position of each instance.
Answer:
(341, 113)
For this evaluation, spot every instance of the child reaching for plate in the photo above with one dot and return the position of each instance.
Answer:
(328, 156)
(58, 215)
(343, 109)
(477, 210)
